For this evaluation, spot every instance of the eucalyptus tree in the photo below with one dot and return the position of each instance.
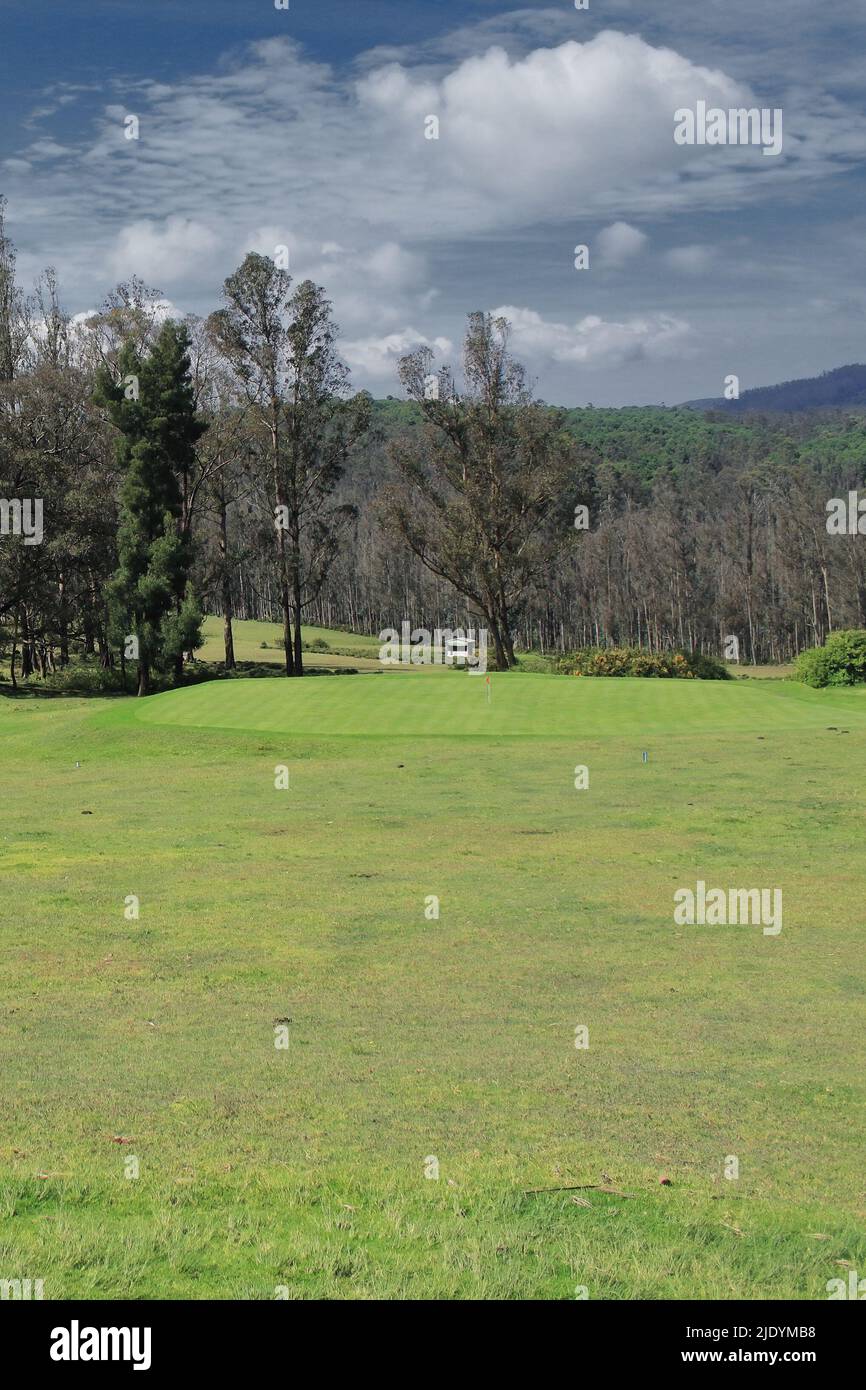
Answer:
(482, 501)
(322, 428)
(252, 333)
(282, 348)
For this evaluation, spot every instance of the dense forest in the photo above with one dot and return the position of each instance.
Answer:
(698, 527)
(225, 465)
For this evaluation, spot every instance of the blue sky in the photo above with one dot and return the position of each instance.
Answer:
(261, 127)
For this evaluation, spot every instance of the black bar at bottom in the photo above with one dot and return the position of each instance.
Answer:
(140, 1339)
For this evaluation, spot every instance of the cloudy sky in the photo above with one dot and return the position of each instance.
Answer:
(306, 127)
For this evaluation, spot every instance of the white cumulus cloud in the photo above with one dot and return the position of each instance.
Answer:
(594, 341)
(619, 242)
(378, 357)
(163, 252)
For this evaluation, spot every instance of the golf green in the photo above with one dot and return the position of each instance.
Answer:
(456, 704)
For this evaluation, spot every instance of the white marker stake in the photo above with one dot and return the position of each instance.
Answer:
(487, 683)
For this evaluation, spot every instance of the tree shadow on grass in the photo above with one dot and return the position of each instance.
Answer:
(25, 692)
(198, 674)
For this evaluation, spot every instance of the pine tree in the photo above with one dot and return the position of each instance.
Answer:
(153, 407)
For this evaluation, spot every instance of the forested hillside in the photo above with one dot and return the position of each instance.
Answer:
(226, 466)
(698, 526)
(843, 388)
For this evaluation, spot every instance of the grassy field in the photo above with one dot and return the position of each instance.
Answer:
(300, 1171)
(255, 641)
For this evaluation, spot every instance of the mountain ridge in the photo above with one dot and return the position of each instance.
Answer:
(839, 387)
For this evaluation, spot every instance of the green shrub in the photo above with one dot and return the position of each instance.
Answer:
(841, 661)
(81, 677)
(708, 668)
(637, 661)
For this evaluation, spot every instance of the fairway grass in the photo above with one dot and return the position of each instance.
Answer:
(265, 1172)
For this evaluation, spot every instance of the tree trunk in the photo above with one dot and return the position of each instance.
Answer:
(826, 580)
(27, 648)
(89, 617)
(228, 635)
(287, 616)
(279, 508)
(296, 595)
(226, 585)
(285, 600)
(14, 652)
(507, 640)
(498, 644)
(63, 622)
